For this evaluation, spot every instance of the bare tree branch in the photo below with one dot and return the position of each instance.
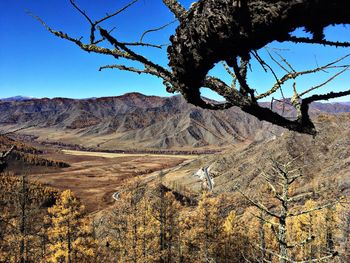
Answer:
(294, 75)
(279, 64)
(156, 29)
(326, 82)
(293, 214)
(259, 205)
(94, 24)
(213, 31)
(322, 42)
(176, 8)
(141, 44)
(132, 69)
(265, 220)
(81, 11)
(234, 77)
(298, 197)
(115, 13)
(133, 55)
(86, 47)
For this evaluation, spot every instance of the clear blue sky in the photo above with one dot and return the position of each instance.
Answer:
(35, 63)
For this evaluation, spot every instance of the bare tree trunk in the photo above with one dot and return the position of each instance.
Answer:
(22, 226)
(282, 228)
(262, 237)
(162, 222)
(69, 244)
(282, 235)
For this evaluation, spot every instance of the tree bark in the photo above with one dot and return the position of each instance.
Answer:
(223, 30)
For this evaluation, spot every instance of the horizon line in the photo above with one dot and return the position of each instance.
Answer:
(23, 98)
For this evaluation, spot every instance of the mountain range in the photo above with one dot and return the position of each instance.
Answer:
(137, 121)
(16, 98)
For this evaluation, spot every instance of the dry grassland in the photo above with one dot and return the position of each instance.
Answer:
(94, 177)
(117, 155)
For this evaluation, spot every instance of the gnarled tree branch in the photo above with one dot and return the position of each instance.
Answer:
(229, 31)
(176, 8)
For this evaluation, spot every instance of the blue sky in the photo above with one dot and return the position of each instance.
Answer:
(35, 63)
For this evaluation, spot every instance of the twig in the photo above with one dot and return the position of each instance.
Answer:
(156, 29)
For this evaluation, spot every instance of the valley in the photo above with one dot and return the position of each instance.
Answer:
(106, 142)
(175, 131)
(123, 171)
(94, 177)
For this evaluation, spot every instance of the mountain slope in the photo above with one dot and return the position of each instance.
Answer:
(137, 121)
(324, 161)
(132, 119)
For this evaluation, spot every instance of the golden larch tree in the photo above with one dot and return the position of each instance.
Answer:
(69, 234)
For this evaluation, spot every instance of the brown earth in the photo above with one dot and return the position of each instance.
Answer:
(94, 179)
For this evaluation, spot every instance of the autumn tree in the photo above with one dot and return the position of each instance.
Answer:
(140, 239)
(232, 32)
(236, 243)
(132, 232)
(213, 232)
(16, 218)
(285, 210)
(344, 225)
(21, 213)
(207, 230)
(69, 233)
(166, 211)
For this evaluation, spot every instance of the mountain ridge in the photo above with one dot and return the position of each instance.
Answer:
(137, 120)
(17, 98)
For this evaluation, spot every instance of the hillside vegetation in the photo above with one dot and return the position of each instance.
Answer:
(24, 155)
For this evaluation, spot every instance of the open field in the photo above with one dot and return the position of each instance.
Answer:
(94, 177)
(117, 155)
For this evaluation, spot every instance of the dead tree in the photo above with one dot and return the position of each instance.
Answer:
(231, 31)
(3, 157)
(280, 182)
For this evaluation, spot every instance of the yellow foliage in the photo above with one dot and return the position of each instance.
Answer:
(69, 232)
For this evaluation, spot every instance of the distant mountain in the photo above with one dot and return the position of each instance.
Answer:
(138, 121)
(332, 107)
(315, 107)
(16, 98)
